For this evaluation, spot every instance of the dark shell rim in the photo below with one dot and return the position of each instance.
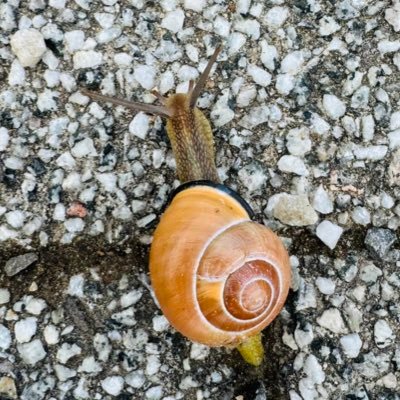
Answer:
(218, 186)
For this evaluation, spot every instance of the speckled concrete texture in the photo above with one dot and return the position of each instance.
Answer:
(305, 106)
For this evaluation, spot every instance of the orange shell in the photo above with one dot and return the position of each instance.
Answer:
(218, 277)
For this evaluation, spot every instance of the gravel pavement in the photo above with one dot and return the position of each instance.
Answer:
(305, 105)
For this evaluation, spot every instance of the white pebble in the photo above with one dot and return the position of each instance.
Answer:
(173, 20)
(84, 148)
(67, 351)
(351, 345)
(298, 141)
(292, 63)
(325, 285)
(313, 369)
(4, 138)
(74, 225)
(395, 120)
(394, 139)
(154, 393)
(269, 55)
(145, 75)
(108, 181)
(259, 75)
(329, 233)
(199, 351)
(195, 5)
(368, 127)
(87, 59)
(333, 106)
(25, 329)
(139, 125)
(294, 210)
(292, 164)
(361, 215)
(160, 323)
(284, 84)
(130, 298)
(16, 75)
(75, 286)
(51, 334)
(63, 373)
(35, 306)
(5, 338)
(373, 153)
(327, 26)
(276, 17)
(113, 385)
(332, 320)
(15, 218)
(74, 40)
(32, 352)
(29, 46)
(4, 295)
(322, 202)
(383, 334)
(392, 16)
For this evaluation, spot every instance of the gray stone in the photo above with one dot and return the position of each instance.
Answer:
(17, 264)
(379, 241)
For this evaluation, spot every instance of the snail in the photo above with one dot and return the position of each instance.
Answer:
(219, 277)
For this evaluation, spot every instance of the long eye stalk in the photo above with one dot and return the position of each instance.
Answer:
(195, 93)
(147, 108)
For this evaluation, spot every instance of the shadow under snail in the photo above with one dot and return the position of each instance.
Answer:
(219, 277)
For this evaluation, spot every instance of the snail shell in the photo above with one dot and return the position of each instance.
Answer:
(219, 277)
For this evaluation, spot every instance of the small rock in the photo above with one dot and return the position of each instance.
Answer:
(392, 16)
(294, 210)
(32, 352)
(276, 17)
(379, 241)
(361, 215)
(4, 296)
(113, 385)
(63, 373)
(29, 46)
(7, 388)
(139, 125)
(322, 202)
(325, 285)
(329, 233)
(17, 264)
(373, 153)
(67, 351)
(199, 351)
(292, 164)
(313, 369)
(173, 20)
(332, 320)
(333, 106)
(351, 345)
(87, 59)
(25, 329)
(298, 141)
(369, 273)
(372, 366)
(383, 334)
(304, 335)
(5, 338)
(77, 209)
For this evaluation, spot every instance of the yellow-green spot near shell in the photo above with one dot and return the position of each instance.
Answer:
(252, 350)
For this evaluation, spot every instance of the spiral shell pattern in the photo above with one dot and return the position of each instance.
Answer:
(219, 277)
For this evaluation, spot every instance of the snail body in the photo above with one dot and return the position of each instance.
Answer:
(219, 277)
